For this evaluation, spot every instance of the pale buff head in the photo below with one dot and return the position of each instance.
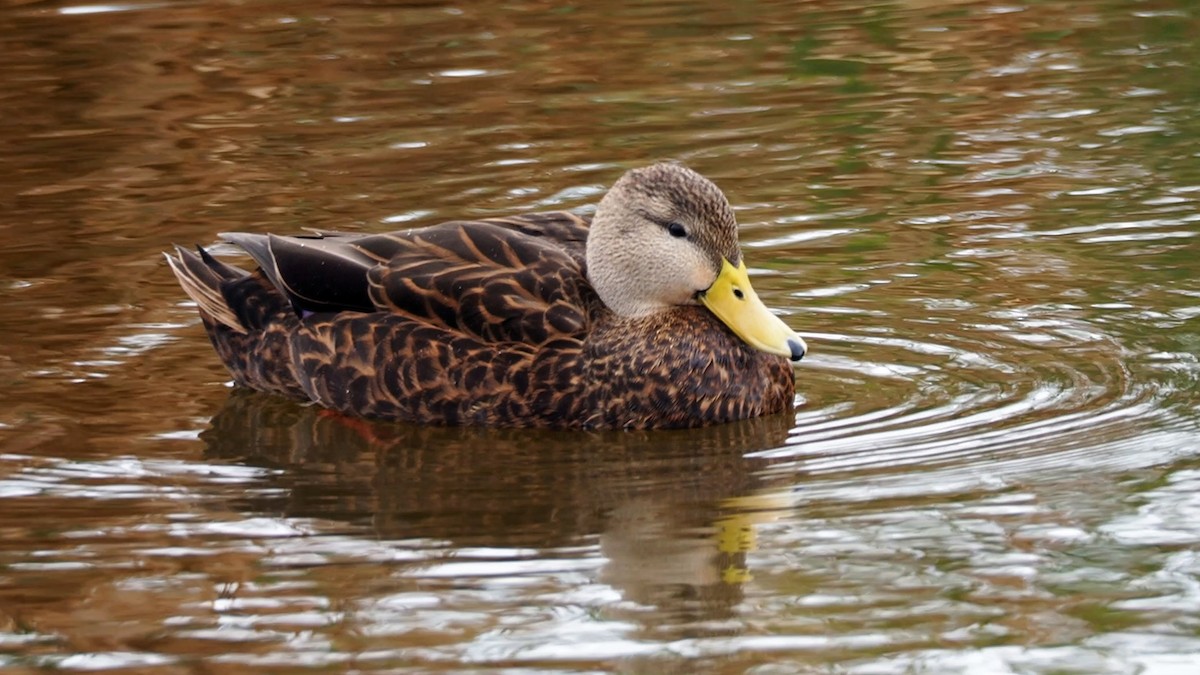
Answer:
(659, 237)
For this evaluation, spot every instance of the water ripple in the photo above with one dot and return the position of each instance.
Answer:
(1021, 393)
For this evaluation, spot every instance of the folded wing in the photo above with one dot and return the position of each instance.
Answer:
(517, 279)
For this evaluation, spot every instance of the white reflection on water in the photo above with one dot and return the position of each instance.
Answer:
(1169, 516)
(77, 10)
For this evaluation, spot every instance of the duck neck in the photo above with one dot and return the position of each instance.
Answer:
(618, 271)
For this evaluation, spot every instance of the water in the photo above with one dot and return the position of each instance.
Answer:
(982, 216)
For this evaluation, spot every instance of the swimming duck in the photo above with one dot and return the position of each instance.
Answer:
(639, 317)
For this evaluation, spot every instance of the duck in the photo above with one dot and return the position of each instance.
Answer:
(641, 316)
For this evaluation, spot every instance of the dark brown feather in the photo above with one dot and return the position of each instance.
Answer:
(487, 281)
(476, 322)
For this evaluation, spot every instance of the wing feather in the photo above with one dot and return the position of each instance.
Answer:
(513, 279)
(517, 279)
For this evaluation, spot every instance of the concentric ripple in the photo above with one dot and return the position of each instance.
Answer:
(1005, 391)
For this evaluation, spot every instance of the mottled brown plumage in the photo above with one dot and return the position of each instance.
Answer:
(498, 322)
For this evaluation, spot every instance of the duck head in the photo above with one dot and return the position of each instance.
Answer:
(665, 236)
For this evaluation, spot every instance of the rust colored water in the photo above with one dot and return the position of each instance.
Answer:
(981, 215)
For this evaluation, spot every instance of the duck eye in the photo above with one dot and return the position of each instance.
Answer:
(676, 230)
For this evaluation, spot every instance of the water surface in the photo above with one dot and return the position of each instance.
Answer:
(981, 215)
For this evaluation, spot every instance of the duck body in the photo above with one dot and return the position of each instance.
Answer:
(492, 322)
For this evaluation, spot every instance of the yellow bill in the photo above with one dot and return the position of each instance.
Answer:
(735, 303)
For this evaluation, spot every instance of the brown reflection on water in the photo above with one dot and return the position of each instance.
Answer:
(982, 214)
(656, 501)
(165, 568)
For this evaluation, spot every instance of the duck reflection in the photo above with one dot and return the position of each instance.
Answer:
(667, 509)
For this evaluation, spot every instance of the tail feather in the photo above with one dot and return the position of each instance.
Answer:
(248, 320)
(228, 272)
(201, 277)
